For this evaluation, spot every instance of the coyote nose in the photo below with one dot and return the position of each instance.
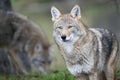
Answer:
(63, 37)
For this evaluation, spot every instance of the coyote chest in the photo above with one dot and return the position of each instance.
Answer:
(78, 59)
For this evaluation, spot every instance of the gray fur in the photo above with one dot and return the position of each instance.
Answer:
(88, 52)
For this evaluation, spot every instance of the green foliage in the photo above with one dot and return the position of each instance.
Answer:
(56, 75)
(117, 72)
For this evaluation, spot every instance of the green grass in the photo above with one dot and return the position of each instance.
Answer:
(56, 75)
(118, 72)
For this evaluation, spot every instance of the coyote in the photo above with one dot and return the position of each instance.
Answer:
(88, 52)
(29, 50)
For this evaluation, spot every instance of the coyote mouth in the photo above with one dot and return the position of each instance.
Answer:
(66, 40)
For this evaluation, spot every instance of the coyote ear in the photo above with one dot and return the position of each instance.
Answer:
(75, 12)
(55, 13)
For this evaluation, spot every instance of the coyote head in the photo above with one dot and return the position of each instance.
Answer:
(40, 54)
(67, 27)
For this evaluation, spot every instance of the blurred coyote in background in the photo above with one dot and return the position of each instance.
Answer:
(24, 46)
(88, 52)
(29, 49)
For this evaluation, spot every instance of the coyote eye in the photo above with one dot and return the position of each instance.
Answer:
(43, 62)
(38, 47)
(60, 27)
(70, 27)
(49, 62)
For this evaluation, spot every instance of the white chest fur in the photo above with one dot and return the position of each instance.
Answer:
(73, 56)
(77, 68)
(68, 47)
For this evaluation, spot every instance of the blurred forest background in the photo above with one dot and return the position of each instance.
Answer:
(95, 13)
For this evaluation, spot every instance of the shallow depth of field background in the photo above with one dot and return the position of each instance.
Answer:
(95, 13)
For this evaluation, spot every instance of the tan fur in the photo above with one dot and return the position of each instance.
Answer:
(88, 52)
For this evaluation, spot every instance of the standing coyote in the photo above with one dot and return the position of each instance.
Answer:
(88, 52)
